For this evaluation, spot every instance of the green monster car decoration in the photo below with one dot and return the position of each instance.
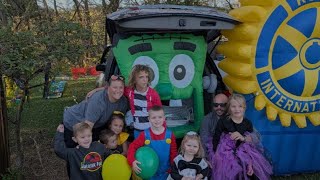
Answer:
(177, 61)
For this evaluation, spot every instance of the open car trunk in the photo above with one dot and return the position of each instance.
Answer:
(168, 19)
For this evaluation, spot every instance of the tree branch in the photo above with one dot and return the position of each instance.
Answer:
(230, 5)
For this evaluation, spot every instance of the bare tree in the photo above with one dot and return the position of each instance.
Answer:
(114, 5)
(4, 136)
(45, 5)
(230, 4)
(3, 17)
(87, 14)
(77, 10)
(104, 7)
(55, 8)
(214, 3)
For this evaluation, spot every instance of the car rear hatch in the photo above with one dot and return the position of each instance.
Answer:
(168, 19)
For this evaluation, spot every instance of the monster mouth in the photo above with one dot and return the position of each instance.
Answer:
(180, 112)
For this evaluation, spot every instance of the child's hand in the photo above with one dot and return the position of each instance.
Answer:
(199, 177)
(93, 91)
(209, 163)
(250, 170)
(236, 136)
(89, 94)
(90, 123)
(60, 128)
(135, 166)
(248, 139)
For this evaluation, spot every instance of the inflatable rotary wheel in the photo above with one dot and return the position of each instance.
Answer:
(275, 54)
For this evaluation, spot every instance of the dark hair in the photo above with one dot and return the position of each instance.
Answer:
(116, 116)
(105, 135)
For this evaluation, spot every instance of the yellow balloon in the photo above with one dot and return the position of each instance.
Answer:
(116, 167)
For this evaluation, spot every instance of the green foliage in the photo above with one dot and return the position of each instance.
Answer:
(26, 52)
(16, 49)
(62, 39)
(12, 174)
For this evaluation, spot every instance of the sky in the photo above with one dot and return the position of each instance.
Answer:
(67, 3)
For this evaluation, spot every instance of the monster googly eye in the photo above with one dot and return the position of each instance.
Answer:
(181, 70)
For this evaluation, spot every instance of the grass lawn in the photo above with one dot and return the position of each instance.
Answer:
(39, 121)
(46, 114)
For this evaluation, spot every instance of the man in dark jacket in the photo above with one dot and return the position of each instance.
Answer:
(210, 121)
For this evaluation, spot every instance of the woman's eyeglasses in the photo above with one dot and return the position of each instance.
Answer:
(117, 77)
(219, 104)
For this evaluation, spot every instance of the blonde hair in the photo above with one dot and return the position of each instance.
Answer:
(238, 98)
(137, 69)
(195, 136)
(80, 127)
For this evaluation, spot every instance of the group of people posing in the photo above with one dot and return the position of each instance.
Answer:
(227, 147)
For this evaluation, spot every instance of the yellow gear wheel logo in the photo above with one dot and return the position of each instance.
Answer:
(275, 54)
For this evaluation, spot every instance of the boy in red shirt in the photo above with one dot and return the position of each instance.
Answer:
(160, 139)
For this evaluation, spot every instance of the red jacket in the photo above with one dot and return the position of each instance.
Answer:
(153, 98)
